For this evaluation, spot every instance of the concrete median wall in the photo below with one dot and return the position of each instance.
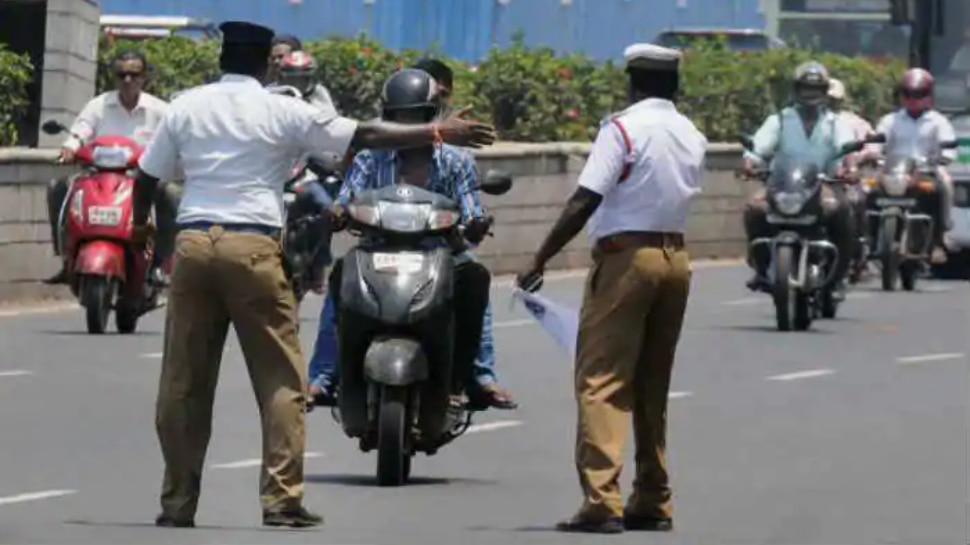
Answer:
(545, 176)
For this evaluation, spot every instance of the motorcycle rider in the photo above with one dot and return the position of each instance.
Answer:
(861, 129)
(810, 131)
(410, 96)
(283, 45)
(298, 70)
(126, 111)
(916, 125)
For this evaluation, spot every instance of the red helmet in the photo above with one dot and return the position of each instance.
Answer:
(299, 69)
(916, 91)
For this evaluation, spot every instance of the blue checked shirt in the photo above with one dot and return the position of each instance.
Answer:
(453, 174)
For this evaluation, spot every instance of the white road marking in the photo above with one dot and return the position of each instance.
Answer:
(151, 355)
(930, 357)
(256, 462)
(802, 374)
(492, 426)
(514, 323)
(15, 373)
(34, 496)
(678, 395)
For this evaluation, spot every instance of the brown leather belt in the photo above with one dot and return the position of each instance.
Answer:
(618, 242)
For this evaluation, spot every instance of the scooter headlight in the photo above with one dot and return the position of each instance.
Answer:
(365, 213)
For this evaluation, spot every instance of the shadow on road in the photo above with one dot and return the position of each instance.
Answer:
(198, 527)
(82, 333)
(369, 481)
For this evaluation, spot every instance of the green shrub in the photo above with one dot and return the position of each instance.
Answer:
(15, 75)
(531, 94)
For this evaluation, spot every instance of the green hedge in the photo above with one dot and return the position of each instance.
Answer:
(15, 75)
(531, 94)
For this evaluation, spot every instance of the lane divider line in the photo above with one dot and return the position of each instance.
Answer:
(256, 462)
(802, 375)
(35, 496)
(492, 426)
(15, 373)
(925, 358)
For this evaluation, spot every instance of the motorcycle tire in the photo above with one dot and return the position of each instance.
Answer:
(393, 459)
(888, 254)
(908, 273)
(97, 296)
(792, 308)
(126, 319)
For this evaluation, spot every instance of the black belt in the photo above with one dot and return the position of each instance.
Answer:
(272, 232)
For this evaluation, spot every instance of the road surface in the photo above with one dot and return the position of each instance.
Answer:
(852, 433)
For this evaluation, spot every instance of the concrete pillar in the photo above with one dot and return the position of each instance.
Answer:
(70, 61)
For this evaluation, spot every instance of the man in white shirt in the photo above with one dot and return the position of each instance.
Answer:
(237, 143)
(127, 111)
(644, 169)
(918, 128)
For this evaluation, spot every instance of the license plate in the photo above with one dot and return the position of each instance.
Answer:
(104, 215)
(398, 263)
(289, 198)
(886, 201)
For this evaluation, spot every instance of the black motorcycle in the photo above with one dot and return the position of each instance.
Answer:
(396, 326)
(305, 221)
(796, 252)
(902, 230)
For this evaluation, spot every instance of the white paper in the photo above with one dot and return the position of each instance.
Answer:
(560, 322)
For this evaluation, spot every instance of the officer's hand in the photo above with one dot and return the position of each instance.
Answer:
(66, 156)
(530, 281)
(457, 130)
(338, 218)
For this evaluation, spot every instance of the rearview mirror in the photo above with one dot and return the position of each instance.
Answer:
(952, 144)
(746, 142)
(52, 127)
(875, 139)
(496, 182)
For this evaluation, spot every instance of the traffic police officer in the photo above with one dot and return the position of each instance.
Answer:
(237, 142)
(643, 170)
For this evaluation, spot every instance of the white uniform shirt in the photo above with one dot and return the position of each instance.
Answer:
(105, 115)
(668, 155)
(923, 135)
(238, 142)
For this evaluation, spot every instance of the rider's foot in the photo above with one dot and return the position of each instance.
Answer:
(59, 278)
(938, 256)
(321, 396)
(493, 396)
(756, 282)
(838, 291)
(157, 277)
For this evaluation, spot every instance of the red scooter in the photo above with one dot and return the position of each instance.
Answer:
(106, 268)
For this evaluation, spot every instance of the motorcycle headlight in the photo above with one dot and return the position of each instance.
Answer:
(404, 218)
(789, 202)
(896, 183)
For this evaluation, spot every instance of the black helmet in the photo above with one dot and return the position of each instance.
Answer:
(811, 84)
(410, 89)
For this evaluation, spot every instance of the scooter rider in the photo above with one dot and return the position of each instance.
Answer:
(918, 126)
(126, 111)
(812, 132)
(409, 97)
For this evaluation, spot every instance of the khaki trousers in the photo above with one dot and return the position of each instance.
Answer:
(222, 277)
(630, 323)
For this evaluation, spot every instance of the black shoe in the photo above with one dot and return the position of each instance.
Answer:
(578, 524)
(325, 398)
(59, 278)
(647, 524)
(757, 283)
(838, 291)
(165, 521)
(292, 518)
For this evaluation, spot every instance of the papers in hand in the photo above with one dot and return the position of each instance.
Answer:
(560, 322)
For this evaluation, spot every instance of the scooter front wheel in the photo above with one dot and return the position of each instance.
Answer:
(97, 296)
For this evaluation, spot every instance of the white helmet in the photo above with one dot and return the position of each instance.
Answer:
(836, 89)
